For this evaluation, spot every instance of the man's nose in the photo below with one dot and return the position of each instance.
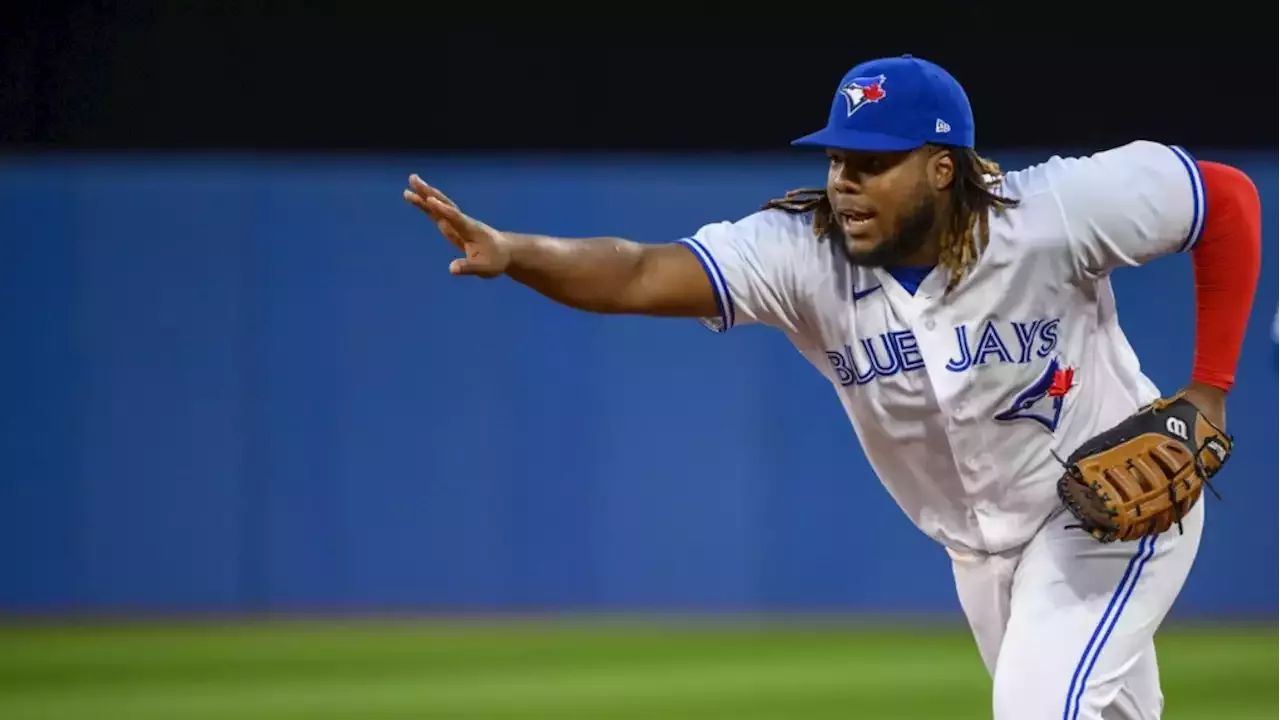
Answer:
(849, 182)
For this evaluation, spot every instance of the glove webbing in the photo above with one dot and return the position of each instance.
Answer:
(1201, 471)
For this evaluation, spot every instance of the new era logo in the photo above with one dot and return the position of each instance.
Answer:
(941, 126)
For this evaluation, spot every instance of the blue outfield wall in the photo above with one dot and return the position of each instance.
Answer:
(246, 384)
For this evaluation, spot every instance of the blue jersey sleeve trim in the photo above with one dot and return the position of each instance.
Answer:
(1197, 198)
(724, 301)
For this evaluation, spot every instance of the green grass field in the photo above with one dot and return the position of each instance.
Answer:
(602, 670)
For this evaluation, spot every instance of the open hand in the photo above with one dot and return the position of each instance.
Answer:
(486, 252)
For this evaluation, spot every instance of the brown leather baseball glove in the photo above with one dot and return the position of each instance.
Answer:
(1142, 476)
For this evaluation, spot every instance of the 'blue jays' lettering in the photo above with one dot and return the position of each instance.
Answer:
(895, 352)
(990, 344)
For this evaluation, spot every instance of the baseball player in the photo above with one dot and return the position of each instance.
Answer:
(966, 320)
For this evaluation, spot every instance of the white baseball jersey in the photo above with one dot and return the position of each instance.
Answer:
(958, 399)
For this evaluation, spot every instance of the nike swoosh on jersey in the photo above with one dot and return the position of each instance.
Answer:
(859, 294)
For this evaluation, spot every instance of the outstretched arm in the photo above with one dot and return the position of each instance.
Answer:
(603, 275)
(612, 275)
(726, 273)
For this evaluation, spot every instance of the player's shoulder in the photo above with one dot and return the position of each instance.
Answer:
(777, 224)
(1064, 195)
(1034, 215)
(771, 228)
(1098, 170)
(772, 240)
(1062, 184)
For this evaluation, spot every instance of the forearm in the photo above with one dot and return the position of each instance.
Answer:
(1227, 262)
(592, 275)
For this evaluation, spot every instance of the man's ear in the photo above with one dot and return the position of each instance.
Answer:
(942, 170)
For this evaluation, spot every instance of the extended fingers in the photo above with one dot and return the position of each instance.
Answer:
(417, 201)
(433, 202)
(426, 192)
(451, 221)
(442, 210)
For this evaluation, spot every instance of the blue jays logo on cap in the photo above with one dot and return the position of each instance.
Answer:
(862, 90)
(916, 102)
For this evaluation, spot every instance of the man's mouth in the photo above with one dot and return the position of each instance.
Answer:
(855, 221)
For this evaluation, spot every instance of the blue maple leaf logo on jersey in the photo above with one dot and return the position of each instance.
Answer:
(1041, 401)
(862, 90)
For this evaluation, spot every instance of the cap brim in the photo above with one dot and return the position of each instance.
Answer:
(841, 139)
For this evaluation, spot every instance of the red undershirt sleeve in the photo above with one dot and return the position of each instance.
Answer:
(1227, 261)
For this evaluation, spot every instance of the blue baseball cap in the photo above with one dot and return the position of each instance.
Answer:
(893, 104)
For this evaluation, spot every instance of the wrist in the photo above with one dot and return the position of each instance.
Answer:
(1207, 390)
(1210, 400)
(518, 247)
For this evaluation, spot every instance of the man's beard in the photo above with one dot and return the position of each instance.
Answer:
(907, 238)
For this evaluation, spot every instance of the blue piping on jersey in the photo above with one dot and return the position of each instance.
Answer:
(724, 300)
(1198, 209)
(1128, 581)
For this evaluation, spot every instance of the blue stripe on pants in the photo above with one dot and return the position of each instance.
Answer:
(1075, 691)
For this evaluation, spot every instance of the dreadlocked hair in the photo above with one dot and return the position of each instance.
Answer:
(965, 232)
